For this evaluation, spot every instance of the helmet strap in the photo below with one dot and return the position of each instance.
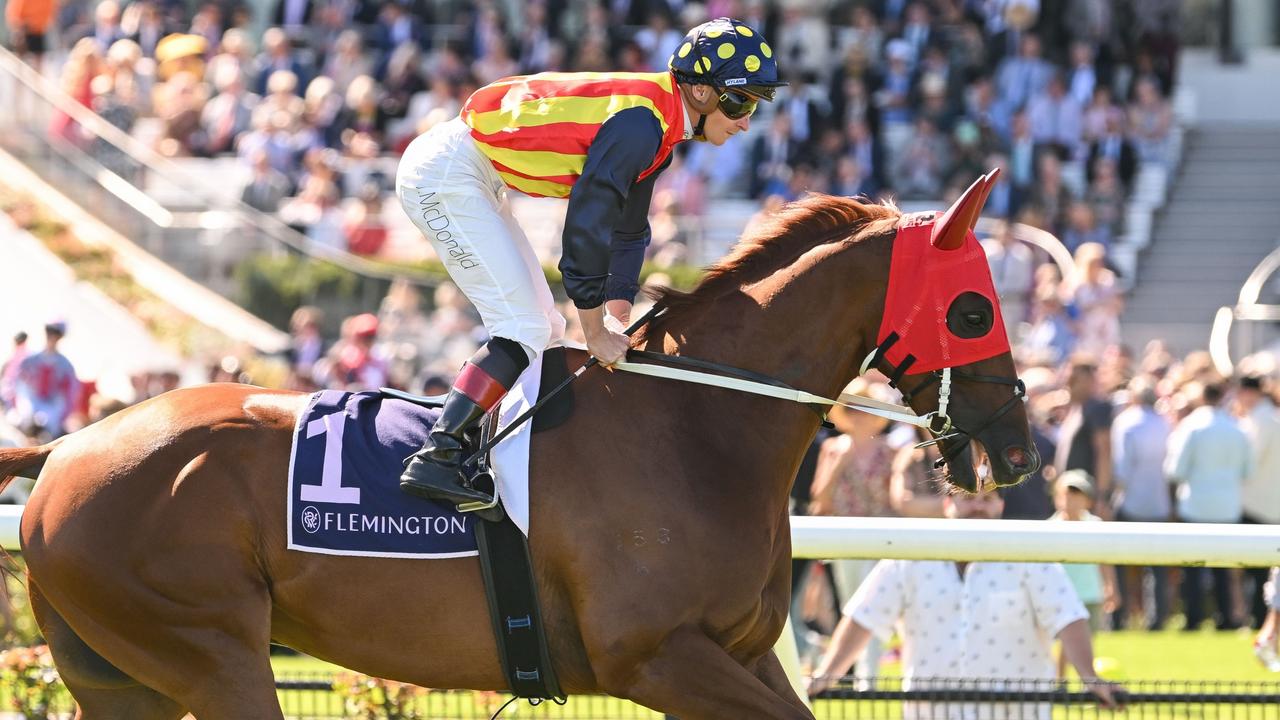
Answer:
(699, 129)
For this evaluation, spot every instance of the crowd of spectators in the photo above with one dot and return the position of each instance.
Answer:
(903, 98)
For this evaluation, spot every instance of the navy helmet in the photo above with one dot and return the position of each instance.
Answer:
(726, 53)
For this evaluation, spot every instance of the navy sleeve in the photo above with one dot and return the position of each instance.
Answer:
(607, 225)
(630, 238)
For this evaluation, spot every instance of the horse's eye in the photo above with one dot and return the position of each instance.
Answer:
(970, 316)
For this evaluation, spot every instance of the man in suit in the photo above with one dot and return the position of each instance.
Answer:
(1114, 146)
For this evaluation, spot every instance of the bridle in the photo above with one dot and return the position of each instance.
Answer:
(703, 372)
(939, 423)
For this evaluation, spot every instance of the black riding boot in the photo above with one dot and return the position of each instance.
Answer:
(435, 471)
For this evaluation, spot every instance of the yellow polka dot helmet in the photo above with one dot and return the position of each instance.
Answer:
(726, 53)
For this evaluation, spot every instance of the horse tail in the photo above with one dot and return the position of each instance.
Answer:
(14, 460)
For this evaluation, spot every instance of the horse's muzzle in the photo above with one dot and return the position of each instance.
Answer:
(1017, 462)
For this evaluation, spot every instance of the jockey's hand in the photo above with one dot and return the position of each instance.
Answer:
(605, 338)
(620, 309)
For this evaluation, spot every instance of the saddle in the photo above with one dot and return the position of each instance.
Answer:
(505, 562)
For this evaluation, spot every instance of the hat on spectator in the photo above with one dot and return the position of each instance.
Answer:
(1078, 480)
(364, 325)
(57, 326)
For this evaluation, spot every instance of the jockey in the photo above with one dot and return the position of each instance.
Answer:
(599, 139)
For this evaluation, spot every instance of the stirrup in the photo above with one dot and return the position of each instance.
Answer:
(492, 510)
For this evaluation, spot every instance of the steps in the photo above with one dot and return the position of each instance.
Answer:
(1222, 218)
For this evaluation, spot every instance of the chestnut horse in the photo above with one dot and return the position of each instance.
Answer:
(155, 539)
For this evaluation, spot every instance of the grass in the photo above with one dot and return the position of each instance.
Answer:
(1122, 657)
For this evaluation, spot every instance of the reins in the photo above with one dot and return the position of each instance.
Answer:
(700, 372)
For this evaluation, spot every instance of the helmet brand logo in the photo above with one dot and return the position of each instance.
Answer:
(735, 81)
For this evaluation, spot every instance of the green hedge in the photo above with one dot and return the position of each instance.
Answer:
(272, 286)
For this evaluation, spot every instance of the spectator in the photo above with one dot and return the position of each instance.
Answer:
(1096, 300)
(913, 489)
(1050, 337)
(320, 108)
(9, 370)
(1140, 442)
(306, 347)
(1260, 495)
(1056, 119)
(1018, 79)
(1208, 463)
(277, 56)
(1101, 113)
(1082, 229)
(1050, 196)
(229, 113)
(920, 163)
(143, 24)
(267, 187)
(353, 363)
(402, 80)
(943, 612)
(1149, 121)
(106, 25)
(180, 104)
(363, 225)
(46, 390)
(83, 64)
(892, 101)
(1084, 439)
(362, 113)
(28, 22)
(852, 480)
(347, 60)
(772, 156)
(1106, 198)
(282, 99)
(1083, 82)
(1095, 585)
(862, 35)
(1111, 144)
(1012, 270)
(1266, 645)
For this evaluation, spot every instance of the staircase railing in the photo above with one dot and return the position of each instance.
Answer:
(118, 178)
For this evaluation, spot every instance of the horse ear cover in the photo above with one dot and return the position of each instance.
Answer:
(950, 230)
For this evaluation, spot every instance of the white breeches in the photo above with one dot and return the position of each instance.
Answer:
(453, 195)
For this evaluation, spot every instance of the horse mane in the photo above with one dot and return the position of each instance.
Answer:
(778, 241)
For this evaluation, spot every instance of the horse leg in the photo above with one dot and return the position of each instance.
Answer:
(772, 674)
(693, 678)
(101, 690)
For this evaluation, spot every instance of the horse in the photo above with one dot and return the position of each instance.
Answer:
(660, 537)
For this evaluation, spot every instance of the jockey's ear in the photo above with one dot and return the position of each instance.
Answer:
(703, 96)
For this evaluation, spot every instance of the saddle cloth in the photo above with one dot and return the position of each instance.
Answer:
(344, 472)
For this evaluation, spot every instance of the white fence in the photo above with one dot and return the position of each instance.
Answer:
(1110, 543)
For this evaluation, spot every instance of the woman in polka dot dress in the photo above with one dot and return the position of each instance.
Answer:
(597, 139)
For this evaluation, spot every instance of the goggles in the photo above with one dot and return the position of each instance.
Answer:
(736, 104)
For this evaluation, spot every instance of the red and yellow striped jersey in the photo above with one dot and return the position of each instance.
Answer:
(536, 129)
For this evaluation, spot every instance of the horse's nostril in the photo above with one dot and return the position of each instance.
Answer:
(1017, 457)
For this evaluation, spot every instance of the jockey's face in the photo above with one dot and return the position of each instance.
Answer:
(719, 127)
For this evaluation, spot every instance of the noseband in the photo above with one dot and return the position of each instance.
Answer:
(939, 422)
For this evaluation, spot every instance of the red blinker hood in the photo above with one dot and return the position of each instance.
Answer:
(935, 260)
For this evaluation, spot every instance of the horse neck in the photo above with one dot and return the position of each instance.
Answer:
(808, 325)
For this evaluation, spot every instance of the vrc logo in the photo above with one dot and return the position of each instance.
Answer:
(310, 519)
